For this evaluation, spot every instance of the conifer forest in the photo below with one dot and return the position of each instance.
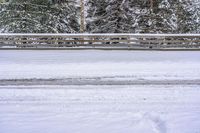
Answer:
(100, 16)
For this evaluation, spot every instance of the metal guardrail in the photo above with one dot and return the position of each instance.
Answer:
(149, 41)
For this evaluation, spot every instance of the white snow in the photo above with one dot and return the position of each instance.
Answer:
(97, 109)
(100, 108)
(126, 64)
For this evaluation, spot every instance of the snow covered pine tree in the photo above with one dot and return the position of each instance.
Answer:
(146, 16)
(168, 16)
(111, 16)
(103, 16)
(39, 16)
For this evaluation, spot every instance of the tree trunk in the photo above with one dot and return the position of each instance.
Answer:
(82, 28)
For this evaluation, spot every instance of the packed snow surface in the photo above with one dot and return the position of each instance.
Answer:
(159, 92)
(105, 64)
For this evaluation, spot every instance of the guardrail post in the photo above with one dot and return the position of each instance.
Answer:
(92, 39)
(164, 42)
(129, 43)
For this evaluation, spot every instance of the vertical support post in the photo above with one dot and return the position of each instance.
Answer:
(128, 39)
(159, 42)
(151, 5)
(164, 43)
(92, 41)
(82, 25)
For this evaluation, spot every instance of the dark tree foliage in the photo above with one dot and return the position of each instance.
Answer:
(113, 16)
(36, 16)
(102, 16)
(168, 16)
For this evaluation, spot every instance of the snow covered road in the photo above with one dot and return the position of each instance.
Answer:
(99, 65)
(99, 92)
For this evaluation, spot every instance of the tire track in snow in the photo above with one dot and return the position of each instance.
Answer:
(96, 81)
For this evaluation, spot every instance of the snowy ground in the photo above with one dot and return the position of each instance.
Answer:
(99, 91)
(107, 65)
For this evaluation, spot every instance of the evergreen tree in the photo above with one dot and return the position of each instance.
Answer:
(2, 1)
(184, 20)
(103, 16)
(167, 16)
(192, 17)
(158, 19)
(112, 16)
(38, 16)
(96, 22)
(38, 2)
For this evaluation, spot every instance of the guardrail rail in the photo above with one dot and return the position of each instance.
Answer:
(125, 41)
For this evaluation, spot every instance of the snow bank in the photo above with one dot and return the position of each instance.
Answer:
(97, 109)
